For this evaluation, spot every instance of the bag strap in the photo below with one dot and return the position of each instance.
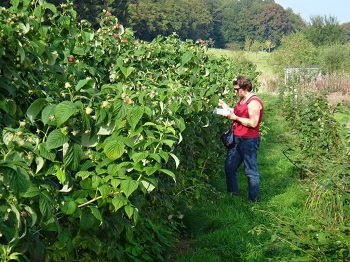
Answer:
(248, 99)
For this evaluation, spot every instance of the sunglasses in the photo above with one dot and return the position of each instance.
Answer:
(236, 89)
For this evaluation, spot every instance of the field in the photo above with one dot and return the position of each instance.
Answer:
(270, 81)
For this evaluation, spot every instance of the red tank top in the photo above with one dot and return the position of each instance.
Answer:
(242, 111)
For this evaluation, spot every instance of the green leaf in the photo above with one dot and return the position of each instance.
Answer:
(116, 182)
(96, 181)
(168, 142)
(64, 111)
(137, 157)
(45, 153)
(88, 141)
(126, 71)
(15, 3)
(45, 204)
(33, 215)
(51, 7)
(105, 190)
(31, 192)
(134, 116)
(168, 172)
(61, 176)
(156, 157)
(87, 220)
(20, 50)
(164, 155)
(39, 161)
(20, 181)
(35, 108)
(113, 148)
(87, 36)
(128, 186)
(107, 129)
(129, 210)
(180, 124)
(177, 161)
(186, 57)
(11, 107)
(56, 139)
(89, 82)
(65, 239)
(39, 46)
(73, 156)
(77, 50)
(47, 113)
(83, 174)
(119, 201)
(151, 169)
(96, 213)
(149, 186)
(69, 206)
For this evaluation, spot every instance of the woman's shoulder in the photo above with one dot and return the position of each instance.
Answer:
(256, 98)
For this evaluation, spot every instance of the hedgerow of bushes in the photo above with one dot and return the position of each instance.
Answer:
(319, 149)
(105, 140)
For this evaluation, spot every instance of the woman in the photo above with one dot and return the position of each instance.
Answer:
(246, 116)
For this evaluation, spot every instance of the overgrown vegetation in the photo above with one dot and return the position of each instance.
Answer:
(94, 126)
(109, 148)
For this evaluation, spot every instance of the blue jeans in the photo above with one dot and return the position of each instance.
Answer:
(246, 151)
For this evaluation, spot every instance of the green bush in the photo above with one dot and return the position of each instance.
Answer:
(335, 58)
(101, 135)
(319, 152)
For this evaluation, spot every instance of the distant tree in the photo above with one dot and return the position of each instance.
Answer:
(295, 50)
(147, 19)
(296, 21)
(119, 8)
(188, 18)
(199, 20)
(237, 20)
(256, 46)
(272, 22)
(335, 58)
(346, 29)
(325, 31)
(269, 45)
(248, 44)
(215, 9)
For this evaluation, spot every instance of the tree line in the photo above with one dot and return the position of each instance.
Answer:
(237, 24)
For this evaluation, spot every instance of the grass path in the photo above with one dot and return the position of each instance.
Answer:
(218, 228)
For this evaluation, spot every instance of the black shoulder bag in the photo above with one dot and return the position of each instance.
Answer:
(228, 138)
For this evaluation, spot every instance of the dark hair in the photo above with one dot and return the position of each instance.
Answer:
(243, 82)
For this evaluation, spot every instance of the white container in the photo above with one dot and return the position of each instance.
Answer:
(221, 111)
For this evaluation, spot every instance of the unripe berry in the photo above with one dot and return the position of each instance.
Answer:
(88, 110)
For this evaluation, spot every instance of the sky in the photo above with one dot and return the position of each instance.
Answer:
(340, 9)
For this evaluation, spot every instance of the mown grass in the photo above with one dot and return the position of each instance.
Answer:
(219, 228)
(269, 80)
(260, 59)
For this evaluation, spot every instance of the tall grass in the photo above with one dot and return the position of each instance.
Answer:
(270, 81)
(220, 228)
